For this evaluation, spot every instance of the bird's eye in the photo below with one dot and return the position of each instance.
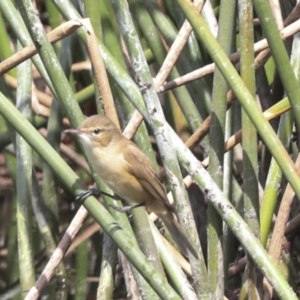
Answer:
(97, 131)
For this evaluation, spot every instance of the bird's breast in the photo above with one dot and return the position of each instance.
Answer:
(112, 168)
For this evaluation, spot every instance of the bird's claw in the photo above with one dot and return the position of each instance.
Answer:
(85, 194)
(89, 192)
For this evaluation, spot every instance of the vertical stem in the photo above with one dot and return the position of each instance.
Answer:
(272, 186)
(250, 160)
(24, 183)
(228, 189)
(217, 131)
(82, 259)
(108, 269)
(12, 242)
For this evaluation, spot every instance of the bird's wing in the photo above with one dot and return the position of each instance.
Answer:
(144, 171)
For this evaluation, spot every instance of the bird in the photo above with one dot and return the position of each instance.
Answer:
(128, 172)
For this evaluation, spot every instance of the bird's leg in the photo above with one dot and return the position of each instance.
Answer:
(124, 209)
(89, 192)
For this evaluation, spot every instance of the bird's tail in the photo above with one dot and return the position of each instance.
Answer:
(178, 235)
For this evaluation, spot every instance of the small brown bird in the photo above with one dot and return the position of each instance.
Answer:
(127, 171)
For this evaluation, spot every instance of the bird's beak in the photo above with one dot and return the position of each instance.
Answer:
(74, 131)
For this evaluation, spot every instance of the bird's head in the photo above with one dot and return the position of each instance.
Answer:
(96, 131)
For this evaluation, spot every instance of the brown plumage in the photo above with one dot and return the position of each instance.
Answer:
(128, 172)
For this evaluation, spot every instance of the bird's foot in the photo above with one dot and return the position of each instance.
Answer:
(91, 192)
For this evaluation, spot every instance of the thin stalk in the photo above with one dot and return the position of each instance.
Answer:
(146, 242)
(210, 18)
(108, 268)
(216, 153)
(180, 282)
(92, 11)
(111, 38)
(249, 142)
(277, 13)
(124, 222)
(42, 216)
(132, 287)
(269, 200)
(228, 189)
(24, 184)
(82, 259)
(145, 239)
(11, 165)
(12, 242)
(54, 129)
(278, 238)
(55, 20)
